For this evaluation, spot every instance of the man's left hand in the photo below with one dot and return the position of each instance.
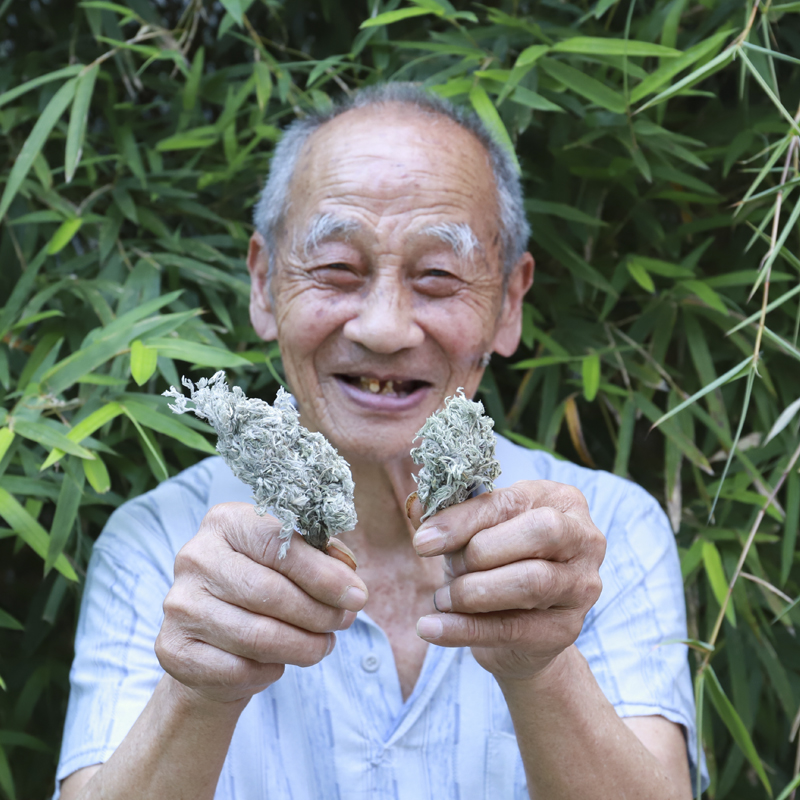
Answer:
(521, 573)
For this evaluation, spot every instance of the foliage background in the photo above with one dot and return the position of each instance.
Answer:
(133, 140)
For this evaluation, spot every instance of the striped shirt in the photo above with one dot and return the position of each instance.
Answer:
(341, 729)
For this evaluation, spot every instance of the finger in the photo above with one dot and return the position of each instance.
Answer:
(540, 633)
(328, 580)
(253, 636)
(544, 533)
(452, 528)
(336, 548)
(527, 585)
(205, 668)
(242, 582)
(414, 509)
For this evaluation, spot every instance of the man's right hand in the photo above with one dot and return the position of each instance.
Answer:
(237, 614)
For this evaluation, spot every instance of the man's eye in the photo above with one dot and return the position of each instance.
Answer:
(438, 273)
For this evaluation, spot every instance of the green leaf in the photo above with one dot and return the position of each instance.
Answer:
(732, 374)
(35, 141)
(561, 210)
(389, 17)
(96, 473)
(590, 373)
(659, 267)
(49, 437)
(6, 437)
(6, 778)
(716, 577)
(584, 85)
(530, 55)
(160, 468)
(263, 76)
(624, 438)
(640, 275)
(614, 47)
(18, 91)
(32, 533)
(7, 621)
(63, 235)
(234, 8)
(86, 427)
(144, 361)
(733, 722)
(706, 294)
(202, 355)
(791, 523)
(69, 501)
(167, 424)
(485, 109)
(78, 119)
(193, 81)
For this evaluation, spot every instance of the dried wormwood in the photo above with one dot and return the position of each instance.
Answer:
(296, 475)
(457, 454)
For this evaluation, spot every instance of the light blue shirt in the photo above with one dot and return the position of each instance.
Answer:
(340, 730)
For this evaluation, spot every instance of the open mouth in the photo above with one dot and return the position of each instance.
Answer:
(390, 387)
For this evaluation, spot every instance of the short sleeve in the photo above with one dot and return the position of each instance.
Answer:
(115, 669)
(630, 637)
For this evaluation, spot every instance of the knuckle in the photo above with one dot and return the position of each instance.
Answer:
(536, 583)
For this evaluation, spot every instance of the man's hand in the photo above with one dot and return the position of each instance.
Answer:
(521, 572)
(237, 614)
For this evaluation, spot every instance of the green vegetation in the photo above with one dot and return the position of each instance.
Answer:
(659, 146)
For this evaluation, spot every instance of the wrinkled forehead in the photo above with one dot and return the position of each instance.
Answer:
(392, 159)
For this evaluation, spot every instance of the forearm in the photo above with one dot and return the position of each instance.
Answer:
(175, 749)
(574, 745)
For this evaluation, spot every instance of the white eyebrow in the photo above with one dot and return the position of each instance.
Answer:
(327, 226)
(459, 235)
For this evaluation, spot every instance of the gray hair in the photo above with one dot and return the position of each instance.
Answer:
(270, 211)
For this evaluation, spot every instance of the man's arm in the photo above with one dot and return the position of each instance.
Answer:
(234, 617)
(522, 570)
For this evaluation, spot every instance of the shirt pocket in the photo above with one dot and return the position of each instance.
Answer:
(505, 774)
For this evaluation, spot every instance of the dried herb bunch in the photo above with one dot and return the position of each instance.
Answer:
(295, 474)
(457, 454)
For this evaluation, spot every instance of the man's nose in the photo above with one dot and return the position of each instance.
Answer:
(385, 321)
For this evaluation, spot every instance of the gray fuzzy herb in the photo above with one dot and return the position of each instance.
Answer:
(457, 454)
(295, 474)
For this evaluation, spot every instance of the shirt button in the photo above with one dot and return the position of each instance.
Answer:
(370, 662)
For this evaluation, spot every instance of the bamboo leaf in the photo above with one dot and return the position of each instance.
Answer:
(716, 577)
(63, 235)
(594, 45)
(96, 473)
(35, 141)
(7, 621)
(69, 501)
(49, 437)
(31, 532)
(733, 722)
(78, 120)
(640, 275)
(388, 17)
(485, 109)
(787, 415)
(584, 85)
(144, 361)
(791, 523)
(86, 427)
(590, 373)
(732, 374)
(202, 355)
(18, 91)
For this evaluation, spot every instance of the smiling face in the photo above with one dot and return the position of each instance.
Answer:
(388, 286)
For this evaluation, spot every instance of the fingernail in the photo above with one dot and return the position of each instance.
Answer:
(331, 643)
(429, 542)
(353, 599)
(429, 627)
(441, 599)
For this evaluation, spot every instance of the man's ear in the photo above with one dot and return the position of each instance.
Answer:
(260, 302)
(509, 328)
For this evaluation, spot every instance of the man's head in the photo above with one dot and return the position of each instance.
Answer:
(384, 269)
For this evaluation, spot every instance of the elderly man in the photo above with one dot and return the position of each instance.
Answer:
(389, 263)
